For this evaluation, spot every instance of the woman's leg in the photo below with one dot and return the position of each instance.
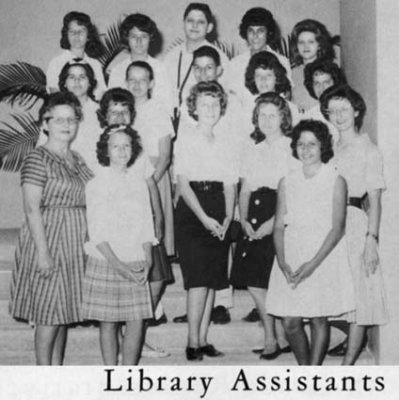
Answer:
(109, 342)
(206, 317)
(59, 345)
(320, 337)
(196, 299)
(45, 336)
(156, 292)
(297, 339)
(355, 342)
(132, 342)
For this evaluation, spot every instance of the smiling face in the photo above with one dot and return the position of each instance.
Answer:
(77, 35)
(205, 69)
(342, 115)
(119, 149)
(208, 109)
(308, 149)
(307, 46)
(265, 80)
(118, 114)
(139, 83)
(321, 82)
(77, 81)
(257, 38)
(61, 124)
(139, 42)
(196, 26)
(269, 119)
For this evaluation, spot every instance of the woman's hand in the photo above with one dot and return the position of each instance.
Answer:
(248, 230)
(124, 270)
(287, 271)
(140, 270)
(370, 255)
(225, 227)
(303, 272)
(213, 226)
(265, 229)
(45, 264)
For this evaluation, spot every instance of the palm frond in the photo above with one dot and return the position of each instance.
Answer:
(228, 49)
(112, 44)
(17, 140)
(177, 42)
(22, 83)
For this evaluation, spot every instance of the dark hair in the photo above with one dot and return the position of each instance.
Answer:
(94, 48)
(116, 95)
(285, 113)
(102, 144)
(322, 134)
(59, 99)
(207, 51)
(141, 22)
(204, 8)
(267, 60)
(326, 67)
(141, 64)
(211, 88)
(259, 16)
(89, 72)
(344, 92)
(323, 38)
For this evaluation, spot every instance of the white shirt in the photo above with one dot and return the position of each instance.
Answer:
(119, 211)
(58, 62)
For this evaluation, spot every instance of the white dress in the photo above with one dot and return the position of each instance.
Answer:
(329, 290)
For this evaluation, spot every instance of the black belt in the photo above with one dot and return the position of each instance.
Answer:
(207, 186)
(264, 189)
(356, 201)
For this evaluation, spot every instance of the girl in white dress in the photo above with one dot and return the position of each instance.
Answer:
(311, 278)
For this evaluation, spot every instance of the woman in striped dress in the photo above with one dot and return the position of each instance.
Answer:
(46, 283)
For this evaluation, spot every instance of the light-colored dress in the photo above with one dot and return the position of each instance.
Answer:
(360, 163)
(329, 290)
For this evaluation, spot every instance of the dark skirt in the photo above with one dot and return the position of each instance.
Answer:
(203, 258)
(253, 259)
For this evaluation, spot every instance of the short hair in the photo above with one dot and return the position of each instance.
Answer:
(285, 113)
(323, 38)
(347, 93)
(115, 95)
(59, 99)
(94, 48)
(89, 72)
(266, 60)
(211, 88)
(259, 16)
(325, 67)
(322, 134)
(102, 144)
(141, 22)
(204, 8)
(207, 51)
(141, 64)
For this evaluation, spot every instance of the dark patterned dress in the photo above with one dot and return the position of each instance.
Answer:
(55, 300)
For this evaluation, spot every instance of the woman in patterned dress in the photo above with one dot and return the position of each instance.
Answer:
(46, 283)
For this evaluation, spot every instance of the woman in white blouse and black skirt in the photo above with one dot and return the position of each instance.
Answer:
(205, 166)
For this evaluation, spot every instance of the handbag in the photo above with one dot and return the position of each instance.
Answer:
(161, 269)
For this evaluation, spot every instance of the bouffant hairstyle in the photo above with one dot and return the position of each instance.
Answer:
(266, 60)
(259, 16)
(211, 88)
(141, 22)
(89, 73)
(285, 113)
(322, 134)
(204, 8)
(94, 48)
(59, 99)
(323, 38)
(340, 93)
(207, 51)
(115, 95)
(102, 144)
(325, 67)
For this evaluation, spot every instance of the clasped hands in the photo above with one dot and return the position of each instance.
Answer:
(217, 230)
(265, 229)
(136, 271)
(303, 272)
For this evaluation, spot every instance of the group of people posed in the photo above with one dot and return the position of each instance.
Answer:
(254, 172)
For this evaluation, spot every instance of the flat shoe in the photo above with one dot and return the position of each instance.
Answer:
(210, 351)
(286, 349)
(180, 319)
(154, 353)
(271, 356)
(253, 316)
(194, 354)
(339, 350)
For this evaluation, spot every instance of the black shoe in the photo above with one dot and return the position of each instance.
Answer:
(220, 315)
(253, 316)
(156, 322)
(180, 319)
(271, 356)
(194, 354)
(210, 351)
(286, 349)
(339, 350)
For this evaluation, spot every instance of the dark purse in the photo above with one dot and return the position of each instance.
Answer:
(161, 269)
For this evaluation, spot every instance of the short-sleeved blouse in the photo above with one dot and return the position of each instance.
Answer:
(119, 210)
(360, 163)
(265, 163)
(201, 159)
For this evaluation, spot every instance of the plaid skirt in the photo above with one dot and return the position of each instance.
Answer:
(109, 297)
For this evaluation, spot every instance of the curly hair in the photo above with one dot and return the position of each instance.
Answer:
(259, 16)
(115, 95)
(326, 67)
(102, 144)
(211, 88)
(323, 38)
(140, 21)
(204, 8)
(94, 48)
(283, 108)
(266, 60)
(344, 92)
(59, 99)
(89, 73)
(322, 134)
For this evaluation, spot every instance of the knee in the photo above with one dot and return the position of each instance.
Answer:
(292, 325)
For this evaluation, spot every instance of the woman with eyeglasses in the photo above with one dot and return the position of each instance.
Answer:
(46, 287)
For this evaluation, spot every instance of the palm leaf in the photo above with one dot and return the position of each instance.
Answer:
(112, 45)
(22, 83)
(228, 49)
(175, 43)
(17, 140)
